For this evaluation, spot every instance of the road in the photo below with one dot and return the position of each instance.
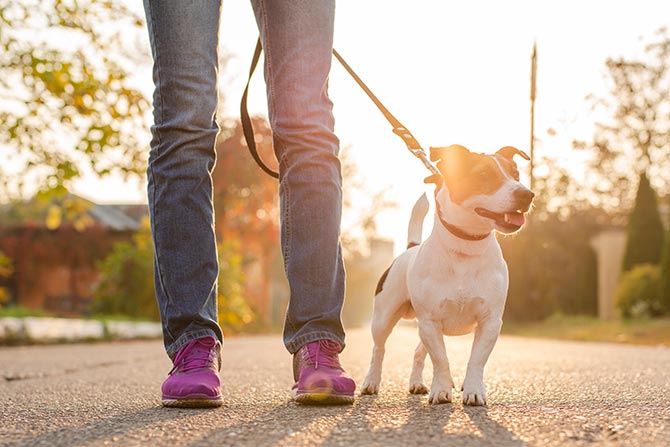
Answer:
(541, 393)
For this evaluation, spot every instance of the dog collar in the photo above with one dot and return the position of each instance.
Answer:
(453, 229)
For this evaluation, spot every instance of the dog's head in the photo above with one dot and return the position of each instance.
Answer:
(485, 185)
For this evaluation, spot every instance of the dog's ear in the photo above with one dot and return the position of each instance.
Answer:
(435, 178)
(452, 160)
(509, 152)
(442, 153)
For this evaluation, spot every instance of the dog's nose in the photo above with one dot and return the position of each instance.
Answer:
(523, 195)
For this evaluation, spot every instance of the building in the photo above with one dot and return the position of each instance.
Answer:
(55, 266)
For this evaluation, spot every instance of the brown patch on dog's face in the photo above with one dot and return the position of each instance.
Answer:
(467, 174)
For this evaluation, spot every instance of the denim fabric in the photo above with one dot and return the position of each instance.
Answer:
(297, 40)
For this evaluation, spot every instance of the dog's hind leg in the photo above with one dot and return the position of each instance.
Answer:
(387, 311)
(416, 385)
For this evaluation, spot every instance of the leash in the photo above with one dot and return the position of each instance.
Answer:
(247, 127)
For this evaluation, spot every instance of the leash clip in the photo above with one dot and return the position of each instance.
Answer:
(414, 147)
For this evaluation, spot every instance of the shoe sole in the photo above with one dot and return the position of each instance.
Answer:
(323, 399)
(192, 402)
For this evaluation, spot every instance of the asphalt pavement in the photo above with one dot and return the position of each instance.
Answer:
(540, 393)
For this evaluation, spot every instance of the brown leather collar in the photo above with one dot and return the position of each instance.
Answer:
(459, 233)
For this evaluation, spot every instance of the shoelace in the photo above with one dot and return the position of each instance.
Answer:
(313, 355)
(199, 356)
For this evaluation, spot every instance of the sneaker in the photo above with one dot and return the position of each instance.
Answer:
(320, 380)
(194, 379)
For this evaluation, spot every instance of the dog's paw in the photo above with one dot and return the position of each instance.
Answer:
(440, 396)
(370, 386)
(474, 392)
(441, 391)
(418, 388)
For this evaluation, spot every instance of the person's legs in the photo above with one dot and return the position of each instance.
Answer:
(297, 40)
(184, 42)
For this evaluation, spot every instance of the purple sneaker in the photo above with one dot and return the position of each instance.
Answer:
(194, 379)
(319, 377)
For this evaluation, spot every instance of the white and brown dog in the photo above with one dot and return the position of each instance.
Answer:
(456, 281)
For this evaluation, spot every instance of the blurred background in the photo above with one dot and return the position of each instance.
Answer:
(584, 87)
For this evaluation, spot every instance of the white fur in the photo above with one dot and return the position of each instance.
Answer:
(453, 286)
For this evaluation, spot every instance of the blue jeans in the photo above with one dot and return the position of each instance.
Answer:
(297, 40)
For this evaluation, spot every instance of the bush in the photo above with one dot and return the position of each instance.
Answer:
(127, 287)
(234, 312)
(637, 292)
(664, 283)
(5, 271)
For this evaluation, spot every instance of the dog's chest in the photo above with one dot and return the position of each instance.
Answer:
(458, 294)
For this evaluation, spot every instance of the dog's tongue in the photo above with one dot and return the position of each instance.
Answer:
(517, 219)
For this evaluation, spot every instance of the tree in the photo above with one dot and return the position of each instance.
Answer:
(247, 210)
(664, 281)
(246, 200)
(635, 136)
(68, 102)
(645, 229)
(552, 267)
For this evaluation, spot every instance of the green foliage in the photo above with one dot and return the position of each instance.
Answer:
(552, 267)
(645, 229)
(127, 285)
(637, 292)
(664, 282)
(49, 208)
(6, 270)
(635, 135)
(20, 312)
(643, 331)
(234, 312)
(68, 101)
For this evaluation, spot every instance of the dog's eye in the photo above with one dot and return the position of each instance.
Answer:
(515, 175)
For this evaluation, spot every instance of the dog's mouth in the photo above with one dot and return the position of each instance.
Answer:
(507, 222)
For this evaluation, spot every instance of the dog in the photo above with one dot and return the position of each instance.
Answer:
(455, 282)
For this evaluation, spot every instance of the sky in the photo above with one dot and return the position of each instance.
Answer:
(451, 72)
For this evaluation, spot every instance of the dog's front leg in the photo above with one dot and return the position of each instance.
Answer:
(441, 389)
(486, 336)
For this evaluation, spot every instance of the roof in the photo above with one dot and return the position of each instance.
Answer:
(114, 218)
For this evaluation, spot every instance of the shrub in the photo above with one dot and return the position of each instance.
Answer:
(127, 287)
(234, 312)
(637, 292)
(5, 271)
(664, 282)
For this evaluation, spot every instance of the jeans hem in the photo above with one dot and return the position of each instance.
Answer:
(184, 339)
(294, 345)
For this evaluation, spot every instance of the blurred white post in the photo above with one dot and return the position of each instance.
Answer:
(609, 247)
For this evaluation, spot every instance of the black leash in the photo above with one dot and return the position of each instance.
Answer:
(247, 127)
(398, 129)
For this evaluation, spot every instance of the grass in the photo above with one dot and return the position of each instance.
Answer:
(20, 312)
(585, 328)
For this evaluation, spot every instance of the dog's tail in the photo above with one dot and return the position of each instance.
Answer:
(416, 221)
